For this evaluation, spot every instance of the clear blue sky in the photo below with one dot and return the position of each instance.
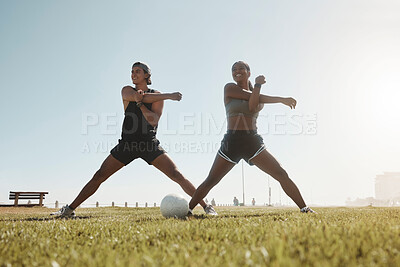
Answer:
(61, 62)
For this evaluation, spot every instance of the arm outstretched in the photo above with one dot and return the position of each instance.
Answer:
(131, 95)
(233, 91)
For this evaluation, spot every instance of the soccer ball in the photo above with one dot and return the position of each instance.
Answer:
(174, 205)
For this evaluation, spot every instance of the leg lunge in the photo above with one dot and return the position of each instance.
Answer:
(203, 190)
(165, 164)
(89, 189)
(109, 166)
(219, 169)
(267, 163)
(290, 189)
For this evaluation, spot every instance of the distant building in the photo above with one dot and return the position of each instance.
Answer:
(387, 186)
(387, 192)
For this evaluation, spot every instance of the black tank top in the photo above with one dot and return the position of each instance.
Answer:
(135, 126)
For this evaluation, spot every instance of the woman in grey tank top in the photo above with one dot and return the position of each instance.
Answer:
(242, 104)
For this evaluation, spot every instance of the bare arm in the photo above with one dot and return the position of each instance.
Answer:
(131, 95)
(155, 97)
(254, 99)
(153, 116)
(233, 91)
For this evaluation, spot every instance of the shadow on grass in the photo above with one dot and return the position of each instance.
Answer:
(233, 216)
(274, 216)
(242, 215)
(34, 219)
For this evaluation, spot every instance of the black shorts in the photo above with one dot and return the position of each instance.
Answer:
(127, 151)
(241, 144)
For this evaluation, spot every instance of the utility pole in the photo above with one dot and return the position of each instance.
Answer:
(243, 180)
(269, 192)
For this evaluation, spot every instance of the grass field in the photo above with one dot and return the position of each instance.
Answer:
(239, 236)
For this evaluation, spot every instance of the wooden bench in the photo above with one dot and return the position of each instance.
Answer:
(16, 196)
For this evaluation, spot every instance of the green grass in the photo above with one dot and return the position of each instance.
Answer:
(239, 236)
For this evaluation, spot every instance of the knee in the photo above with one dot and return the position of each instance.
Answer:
(99, 177)
(280, 174)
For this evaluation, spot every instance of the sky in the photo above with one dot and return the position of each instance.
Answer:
(63, 65)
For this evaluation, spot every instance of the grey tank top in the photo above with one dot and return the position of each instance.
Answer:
(239, 107)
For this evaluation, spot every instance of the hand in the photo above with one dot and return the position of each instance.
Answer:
(176, 96)
(291, 102)
(138, 96)
(260, 79)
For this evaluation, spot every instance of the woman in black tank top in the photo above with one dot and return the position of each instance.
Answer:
(143, 108)
(242, 141)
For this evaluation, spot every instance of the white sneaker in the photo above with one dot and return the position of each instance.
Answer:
(209, 209)
(64, 212)
(307, 210)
